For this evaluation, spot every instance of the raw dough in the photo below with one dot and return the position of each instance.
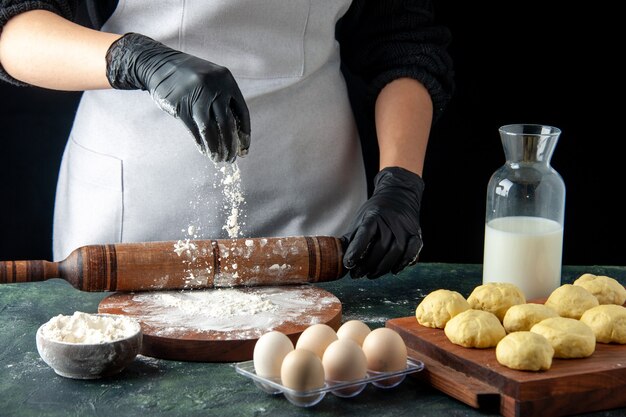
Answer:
(526, 351)
(608, 323)
(570, 338)
(606, 289)
(571, 301)
(522, 317)
(475, 329)
(440, 306)
(496, 297)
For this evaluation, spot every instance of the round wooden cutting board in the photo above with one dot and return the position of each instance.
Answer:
(221, 325)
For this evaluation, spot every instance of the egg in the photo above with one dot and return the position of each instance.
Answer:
(316, 338)
(302, 370)
(355, 330)
(269, 352)
(344, 360)
(385, 350)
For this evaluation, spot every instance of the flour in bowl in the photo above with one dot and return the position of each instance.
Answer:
(89, 328)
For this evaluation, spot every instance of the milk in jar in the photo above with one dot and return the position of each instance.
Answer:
(525, 251)
(525, 213)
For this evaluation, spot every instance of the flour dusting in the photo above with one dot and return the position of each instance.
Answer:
(233, 195)
(197, 262)
(233, 313)
(221, 303)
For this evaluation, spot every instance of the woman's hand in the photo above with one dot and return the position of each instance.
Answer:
(205, 96)
(386, 235)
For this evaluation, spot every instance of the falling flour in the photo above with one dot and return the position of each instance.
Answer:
(197, 266)
(233, 194)
(89, 328)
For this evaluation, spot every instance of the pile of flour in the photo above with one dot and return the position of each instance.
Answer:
(89, 328)
(221, 303)
(229, 313)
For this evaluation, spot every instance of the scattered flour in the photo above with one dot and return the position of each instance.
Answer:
(89, 328)
(197, 261)
(279, 267)
(228, 179)
(217, 303)
(232, 313)
(185, 246)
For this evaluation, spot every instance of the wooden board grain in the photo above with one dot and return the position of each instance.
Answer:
(187, 332)
(474, 376)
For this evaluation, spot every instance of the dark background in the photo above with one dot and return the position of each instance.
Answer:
(518, 62)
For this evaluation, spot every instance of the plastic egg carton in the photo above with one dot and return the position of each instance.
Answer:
(343, 389)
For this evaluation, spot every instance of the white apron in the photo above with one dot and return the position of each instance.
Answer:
(131, 172)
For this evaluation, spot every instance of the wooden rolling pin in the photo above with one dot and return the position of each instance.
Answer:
(189, 264)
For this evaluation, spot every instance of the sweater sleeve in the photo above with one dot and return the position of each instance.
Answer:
(384, 40)
(11, 8)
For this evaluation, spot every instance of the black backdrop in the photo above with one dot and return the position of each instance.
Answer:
(515, 62)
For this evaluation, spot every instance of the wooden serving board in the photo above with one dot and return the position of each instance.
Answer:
(213, 325)
(475, 377)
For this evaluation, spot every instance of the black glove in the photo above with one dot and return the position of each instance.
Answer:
(202, 94)
(386, 235)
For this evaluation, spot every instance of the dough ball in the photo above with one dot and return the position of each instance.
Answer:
(608, 323)
(571, 301)
(475, 329)
(496, 297)
(522, 317)
(440, 306)
(606, 289)
(526, 351)
(570, 338)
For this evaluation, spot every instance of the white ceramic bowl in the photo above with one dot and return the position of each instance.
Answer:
(89, 361)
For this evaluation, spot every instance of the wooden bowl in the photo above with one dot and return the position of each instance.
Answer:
(88, 361)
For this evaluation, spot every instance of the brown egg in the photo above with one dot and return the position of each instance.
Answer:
(302, 370)
(316, 338)
(355, 330)
(344, 360)
(385, 350)
(269, 352)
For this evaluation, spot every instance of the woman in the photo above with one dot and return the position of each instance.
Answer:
(240, 75)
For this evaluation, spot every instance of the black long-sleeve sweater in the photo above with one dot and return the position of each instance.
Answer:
(380, 41)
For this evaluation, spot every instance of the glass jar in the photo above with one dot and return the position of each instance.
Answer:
(525, 213)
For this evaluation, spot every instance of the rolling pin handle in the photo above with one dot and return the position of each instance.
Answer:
(27, 271)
